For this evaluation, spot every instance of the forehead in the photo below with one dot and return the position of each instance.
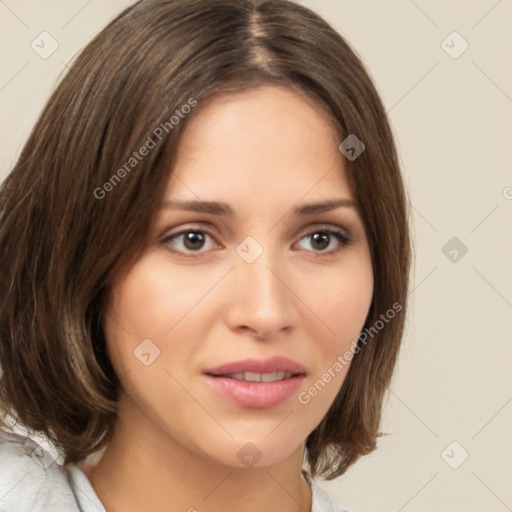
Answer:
(268, 143)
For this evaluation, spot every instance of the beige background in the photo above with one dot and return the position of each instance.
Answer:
(452, 119)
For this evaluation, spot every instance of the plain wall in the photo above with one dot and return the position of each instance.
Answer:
(452, 119)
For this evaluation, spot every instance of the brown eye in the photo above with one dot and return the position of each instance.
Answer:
(321, 239)
(188, 241)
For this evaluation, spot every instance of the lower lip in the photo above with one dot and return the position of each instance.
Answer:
(258, 395)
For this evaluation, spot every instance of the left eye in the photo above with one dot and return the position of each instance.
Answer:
(321, 240)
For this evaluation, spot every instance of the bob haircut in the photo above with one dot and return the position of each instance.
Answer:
(71, 218)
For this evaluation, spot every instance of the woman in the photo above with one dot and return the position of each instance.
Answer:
(205, 261)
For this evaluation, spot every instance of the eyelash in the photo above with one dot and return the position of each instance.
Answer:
(341, 236)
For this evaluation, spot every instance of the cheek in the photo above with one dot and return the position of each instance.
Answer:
(149, 328)
(162, 306)
(343, 305)
(350, 307)
(153, 300)
(344, 311)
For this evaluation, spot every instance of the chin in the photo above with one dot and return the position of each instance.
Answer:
(256, 453)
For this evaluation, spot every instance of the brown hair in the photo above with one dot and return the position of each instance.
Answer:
(68, 224)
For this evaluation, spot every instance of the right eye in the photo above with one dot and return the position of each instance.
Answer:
(191, 239)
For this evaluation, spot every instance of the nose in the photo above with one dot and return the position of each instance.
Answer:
(262, 302)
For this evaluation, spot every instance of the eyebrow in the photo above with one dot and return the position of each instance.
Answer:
(216, 208)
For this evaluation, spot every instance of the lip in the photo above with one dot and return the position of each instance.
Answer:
(256, 395)
(269, 365)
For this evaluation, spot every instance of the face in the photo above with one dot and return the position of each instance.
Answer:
(257, 281)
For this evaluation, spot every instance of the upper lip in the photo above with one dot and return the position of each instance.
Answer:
(272, 364)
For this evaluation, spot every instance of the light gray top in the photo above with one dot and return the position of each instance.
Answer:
(32, 481)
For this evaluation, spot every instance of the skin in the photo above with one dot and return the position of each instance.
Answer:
(176, 439)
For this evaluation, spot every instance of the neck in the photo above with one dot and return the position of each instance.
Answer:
(147, 469)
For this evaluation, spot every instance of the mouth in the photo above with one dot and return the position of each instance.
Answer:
(266, 367)
(258, 377)
(258, 384)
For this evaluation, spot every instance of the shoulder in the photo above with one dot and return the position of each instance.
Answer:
(321, 501)
(31, 479)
